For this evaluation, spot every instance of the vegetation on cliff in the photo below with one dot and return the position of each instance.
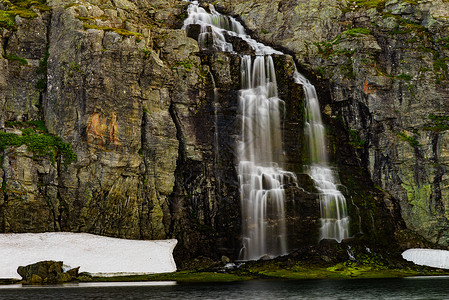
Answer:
(22, 8)
(35, 136)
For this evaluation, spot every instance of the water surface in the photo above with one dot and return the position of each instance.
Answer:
(406, 288)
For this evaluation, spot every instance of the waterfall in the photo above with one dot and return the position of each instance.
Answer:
(260, 152)
(334, 215)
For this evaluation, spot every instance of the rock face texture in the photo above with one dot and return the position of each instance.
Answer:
(114, 122)
(124, 88)
(385, 65)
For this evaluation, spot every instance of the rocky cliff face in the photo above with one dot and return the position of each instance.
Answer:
(385, 65)
(114, 122)
(124, 88)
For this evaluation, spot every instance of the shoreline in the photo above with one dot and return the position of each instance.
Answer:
(253, 271)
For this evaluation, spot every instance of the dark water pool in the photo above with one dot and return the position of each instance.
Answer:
(407, 288)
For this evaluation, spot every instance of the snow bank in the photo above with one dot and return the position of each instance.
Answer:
(97, 255)
(428, 257)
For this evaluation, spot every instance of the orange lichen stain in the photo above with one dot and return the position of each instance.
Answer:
(367, 89)
(102, 131)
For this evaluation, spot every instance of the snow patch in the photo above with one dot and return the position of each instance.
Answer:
(97, 255)
(428, 257)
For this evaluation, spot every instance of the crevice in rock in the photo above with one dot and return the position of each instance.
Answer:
(436, 204)
(4, 196)
(179, 135)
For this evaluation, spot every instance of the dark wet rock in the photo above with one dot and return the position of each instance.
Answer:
(46, 272)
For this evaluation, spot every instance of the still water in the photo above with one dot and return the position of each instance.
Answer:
(407, 288)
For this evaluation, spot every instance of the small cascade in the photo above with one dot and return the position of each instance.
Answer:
(260, 150)
(213, 26)
(334, 215)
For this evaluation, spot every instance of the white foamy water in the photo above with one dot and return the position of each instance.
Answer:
(260, 153)
(94, 254)
(334, 216)
(214, 26)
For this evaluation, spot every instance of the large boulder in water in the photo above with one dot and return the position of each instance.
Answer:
(48, 271)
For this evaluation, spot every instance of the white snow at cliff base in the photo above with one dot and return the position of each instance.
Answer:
(428, 257)
(94, 254)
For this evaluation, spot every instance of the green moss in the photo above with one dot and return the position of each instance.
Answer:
(38, 141)
(85, 18)
(362, 268)
(437, 123)
(120, 31)
(355, 140)
(358, 31)
(13, 57)
(347, 70)
(70, 5)
(41, 84)
(43, 63)
(146, 52)
(445, 42)
(440, 68)
(181, 17)
(75, 67)
(409, 139)
(6, 19)
(24, 9)
(326, 50)
(404, 76)
(186, 64)
(378, 4)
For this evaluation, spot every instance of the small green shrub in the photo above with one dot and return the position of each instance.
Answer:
(186, 64)
(35, 136)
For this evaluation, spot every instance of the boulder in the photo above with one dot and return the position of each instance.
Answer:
(48, 271)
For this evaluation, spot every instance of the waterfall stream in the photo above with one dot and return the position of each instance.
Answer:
(260, 153)
(259, 147)
(334, 215)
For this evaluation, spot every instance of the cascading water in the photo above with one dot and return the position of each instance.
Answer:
(260, 147)
(260, 152)
(334, 215)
